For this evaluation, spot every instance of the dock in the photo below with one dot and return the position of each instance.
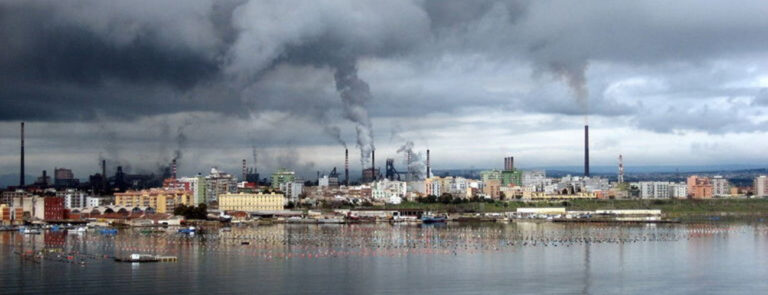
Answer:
(602, 220)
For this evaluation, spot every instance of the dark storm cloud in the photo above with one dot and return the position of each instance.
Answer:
(82, 60)
(181, 53)
(56, 67)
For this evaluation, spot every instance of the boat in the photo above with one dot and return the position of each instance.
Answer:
(108, 231)
(433, 219)
(31, 231)
(331, 220)
(189, 230)
(139, 258)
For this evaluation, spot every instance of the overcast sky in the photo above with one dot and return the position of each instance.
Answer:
(211, 82)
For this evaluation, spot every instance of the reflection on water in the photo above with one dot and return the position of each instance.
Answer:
(524, 257)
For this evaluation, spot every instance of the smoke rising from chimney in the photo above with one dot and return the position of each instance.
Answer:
(575, 76)
(414, 160)
(355, 93)
(335, 132)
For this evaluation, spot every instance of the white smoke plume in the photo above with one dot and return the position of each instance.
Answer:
(414, 161)
(355, 93)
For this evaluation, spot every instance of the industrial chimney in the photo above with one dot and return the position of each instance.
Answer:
(346, 166)
(245, 171)
(173, 169)
(586, 150)
(408, 176)
(428, 167)
(104, 179)
(509, 164)
(21, 172)
(373, 165)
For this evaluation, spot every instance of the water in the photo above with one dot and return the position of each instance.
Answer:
(522, 258)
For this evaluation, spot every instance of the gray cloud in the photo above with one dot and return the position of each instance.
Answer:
(127, 61)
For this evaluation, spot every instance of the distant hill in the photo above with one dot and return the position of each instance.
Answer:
(13, 179)
(557, 171)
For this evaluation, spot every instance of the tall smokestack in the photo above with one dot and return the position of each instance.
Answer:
(346, 166)
(104, 179)
(586, 150)
(21, 169)
(373, 165)
(245, 171)
(173, 169)
(428, 166)
(408, 176)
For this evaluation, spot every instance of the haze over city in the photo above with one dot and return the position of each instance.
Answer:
(383, 147)
(139, 83)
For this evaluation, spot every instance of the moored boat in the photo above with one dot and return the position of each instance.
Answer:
(433, 219)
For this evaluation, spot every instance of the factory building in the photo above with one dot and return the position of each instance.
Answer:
(251, 202)
(371, 174)
(63, 177)
(5, 214)
(36, 207)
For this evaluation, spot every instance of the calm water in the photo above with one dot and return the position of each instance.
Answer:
(525, 258)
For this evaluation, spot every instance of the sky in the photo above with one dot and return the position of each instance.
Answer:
(289, 83)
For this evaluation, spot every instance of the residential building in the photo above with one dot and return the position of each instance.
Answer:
(678, 190)
(74, 199)
(434, 186)
(7, 197)
(699, 187)
(292, 189)
(251, 202)
(491, 188)
(197, 186)
(512, 178)
(92, 201)
(161, 200)
(282, 176)
(218, 183)
(720, 186)
(487, 175)
(388, 190)
(761, 186)
(537, 178)
(53, 208)
(654, 189)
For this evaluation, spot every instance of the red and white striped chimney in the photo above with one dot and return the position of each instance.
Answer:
(245, 171)
(173, 169)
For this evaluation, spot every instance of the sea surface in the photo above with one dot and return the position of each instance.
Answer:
(514, 258)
